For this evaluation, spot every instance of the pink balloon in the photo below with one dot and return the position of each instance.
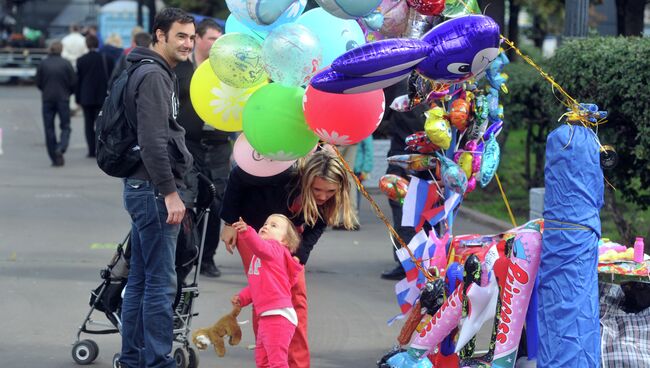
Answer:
(395, 14)
(343, 119)
(255, 164)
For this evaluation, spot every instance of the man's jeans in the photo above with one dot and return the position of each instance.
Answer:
(147, 318)
(50, 109)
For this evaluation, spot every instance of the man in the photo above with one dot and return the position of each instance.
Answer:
(56, 79)
(151, 193)
(210, 148)
(93, 71)
(74, 45)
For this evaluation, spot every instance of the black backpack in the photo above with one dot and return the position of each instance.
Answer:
(116, 139)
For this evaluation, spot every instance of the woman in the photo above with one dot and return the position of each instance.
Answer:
(314, 196)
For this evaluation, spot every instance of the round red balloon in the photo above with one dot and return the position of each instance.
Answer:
(427, 7)
(343, 119)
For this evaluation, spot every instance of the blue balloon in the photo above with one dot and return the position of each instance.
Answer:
(489, 162)
(336, 35)
(349, 9)
(235, 26)
(291, 54)
(266, 15)
(453, 176)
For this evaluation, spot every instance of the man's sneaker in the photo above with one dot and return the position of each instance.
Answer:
(209, 269)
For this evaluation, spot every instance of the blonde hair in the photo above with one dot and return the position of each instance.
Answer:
(114, 40)
(325, 165)
(293, 237)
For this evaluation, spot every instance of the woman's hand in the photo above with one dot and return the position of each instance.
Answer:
(240, 226)
(229, 237)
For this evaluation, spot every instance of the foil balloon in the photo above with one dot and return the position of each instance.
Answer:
(427, 7)
(374, 20)
(482, 305)
(394, 187)
(417, 24)
(264, 15)
(459, 111)
(437, 128)
(291, 54)
(413, 162)
(452, 175)
(457, 8)
(395, 14)
(453, 51)
(471, 184)
(465, 162)
(349, 9)
(490, 161)
(236, 59)
(419, 142)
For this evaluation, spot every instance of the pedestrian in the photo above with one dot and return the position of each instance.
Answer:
(272, 272)
(93, 71)
(112, 47)
(211, 148)
(151, 193)
(313, 194)
(74, 45)
(141, 39)
(363, 164)
(56, 79)
(400, 125)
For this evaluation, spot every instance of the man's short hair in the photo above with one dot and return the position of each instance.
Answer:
(166, 17)
(56, 48)
(142, 39)
(206, 24)
(91, 41)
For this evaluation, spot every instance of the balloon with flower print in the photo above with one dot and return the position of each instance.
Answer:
(274, 123)
(343, 119)
(217, 103)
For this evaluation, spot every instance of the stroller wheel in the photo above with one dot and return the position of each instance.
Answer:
(182, 358)
(116, 360)
(85, 352)
(194, 357)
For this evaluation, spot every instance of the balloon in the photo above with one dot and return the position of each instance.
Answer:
(417, 24)
(255, 164)
(336, 35)
(330, 81)
(482, 305)
(490, 161)
(374, 20)
(437, 128)
(395, 187)
(452, 176)
(264, 15)
(395, 15)
(349, 9)
(343, 119)
(427, 7)
(236, 59)
(291, 54)
(235, 26)
(413, 162)
(456, 8)
(465, 163)
(459, 113)
(419, 142)
(216, 103)
(275, 125)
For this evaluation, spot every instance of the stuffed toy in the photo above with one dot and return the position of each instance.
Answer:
(225, 326)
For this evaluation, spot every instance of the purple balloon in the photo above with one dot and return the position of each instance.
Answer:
(492, 129)
(382, 57)
(331, 81)
(462, 48)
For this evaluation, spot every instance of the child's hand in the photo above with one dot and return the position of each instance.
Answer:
(240, 226)
(235, 301)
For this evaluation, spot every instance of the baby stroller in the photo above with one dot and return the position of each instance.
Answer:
(107, 297)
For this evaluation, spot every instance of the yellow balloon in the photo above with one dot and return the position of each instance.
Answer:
(437, 128)
(217, 103)
(465, 163)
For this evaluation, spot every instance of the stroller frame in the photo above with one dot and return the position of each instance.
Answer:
(186, 356)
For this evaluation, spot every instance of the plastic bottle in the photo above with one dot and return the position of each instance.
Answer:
(638, 250)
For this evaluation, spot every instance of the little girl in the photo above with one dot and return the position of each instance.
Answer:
(272, 272)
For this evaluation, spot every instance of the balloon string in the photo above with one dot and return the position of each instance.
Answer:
(505, 200)
(382, 217)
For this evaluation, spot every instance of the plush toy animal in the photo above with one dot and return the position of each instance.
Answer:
(225, 326)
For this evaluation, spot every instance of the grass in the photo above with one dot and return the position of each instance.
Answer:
(489, 201)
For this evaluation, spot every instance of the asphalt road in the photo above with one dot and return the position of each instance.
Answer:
(59, 227)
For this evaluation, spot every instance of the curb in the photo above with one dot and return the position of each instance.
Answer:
(484, 219)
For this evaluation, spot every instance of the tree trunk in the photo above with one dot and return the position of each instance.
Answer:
(629, 17)
(625, 229)
(539, 34)
(513, 29)
(495, 9)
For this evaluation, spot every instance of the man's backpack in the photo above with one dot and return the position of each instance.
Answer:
(117, 149)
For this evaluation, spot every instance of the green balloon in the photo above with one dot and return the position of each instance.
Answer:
(275, 125)
(236, 59)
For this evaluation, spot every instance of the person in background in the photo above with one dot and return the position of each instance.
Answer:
(400, 125)
(272, 273)
(349, 154)
(56, 79)
(93, 71)
(74, 45)
(141, 39)
(363, 164)
(112, 47)
(211, 148)
(151, 195)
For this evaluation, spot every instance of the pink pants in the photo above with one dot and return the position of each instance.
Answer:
(274, 334)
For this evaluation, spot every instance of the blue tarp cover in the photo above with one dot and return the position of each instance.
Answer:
(569, 331)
